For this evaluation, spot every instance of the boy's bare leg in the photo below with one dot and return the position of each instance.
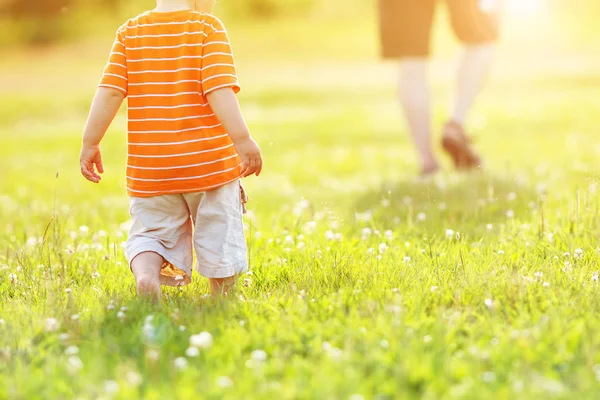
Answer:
(146, 269)
(221, 286)
(415, 98)
(472, 73)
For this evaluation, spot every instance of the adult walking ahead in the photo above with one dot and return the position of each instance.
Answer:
(406, 27)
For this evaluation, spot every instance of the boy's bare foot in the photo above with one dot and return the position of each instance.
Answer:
(146, 269)
(221, 286)
(458, 146)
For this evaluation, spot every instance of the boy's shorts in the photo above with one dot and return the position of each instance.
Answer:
(163, 224)
(405, 25)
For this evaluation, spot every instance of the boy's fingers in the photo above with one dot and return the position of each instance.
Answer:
(99, 166)
(259, 167)
(88, 172)
(244, 168)
(251, 168)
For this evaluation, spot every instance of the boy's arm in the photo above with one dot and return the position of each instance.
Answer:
(105, 106)
(225, 105)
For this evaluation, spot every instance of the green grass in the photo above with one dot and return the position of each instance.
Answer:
(357, 287)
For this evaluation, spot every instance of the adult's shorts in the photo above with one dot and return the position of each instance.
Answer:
(406, 25)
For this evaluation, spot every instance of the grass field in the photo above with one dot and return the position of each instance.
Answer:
(365, 283)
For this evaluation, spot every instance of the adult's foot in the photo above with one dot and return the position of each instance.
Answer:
(458, 146)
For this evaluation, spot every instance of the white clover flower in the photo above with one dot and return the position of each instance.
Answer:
(595, 277)
(546, 284)
(449, 234)
(259, 356)
(489, 303)
(488, 377)
(84, 230)
(152, 354)
(434, 288)
(12, 278)
(510, 214)
(181, 363)
(68, 290)
(406, 260)
(512, 196)
(121, 315)
(578, 254)
(124, 308)
(133, 378)
(550, 237)
(181, 328)
(111, 387)
(224, 382)
(501, 252)
(110, 307)
(366, 232)
(489, 227)
(52, 325)
(102, 234)
(72, 351)
(421, 217)
(383, 247)
(427, 339)
(192, 352)
(329, 235)
(2, 322)
(389, 234)
(75, 317)
(74, 364)
(567, 254)
(96, 274)
(64, 337)
(356, 396)
(300, 245)
(203, 340)
(335, 353)
(385, 203)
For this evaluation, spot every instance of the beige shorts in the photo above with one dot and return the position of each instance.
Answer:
(171, 225)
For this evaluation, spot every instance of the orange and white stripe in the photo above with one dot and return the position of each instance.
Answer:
(166, 64)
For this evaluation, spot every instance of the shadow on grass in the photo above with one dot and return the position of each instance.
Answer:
(453, 201)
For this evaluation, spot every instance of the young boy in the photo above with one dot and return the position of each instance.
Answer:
(188, 145)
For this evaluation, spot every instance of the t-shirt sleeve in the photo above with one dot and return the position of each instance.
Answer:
(115, 73)
(218, 66)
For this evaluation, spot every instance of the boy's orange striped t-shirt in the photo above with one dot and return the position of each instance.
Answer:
(166, 64)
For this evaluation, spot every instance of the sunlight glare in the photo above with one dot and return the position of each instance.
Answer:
(525, 8)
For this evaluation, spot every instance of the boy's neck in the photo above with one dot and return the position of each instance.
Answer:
(172, 5)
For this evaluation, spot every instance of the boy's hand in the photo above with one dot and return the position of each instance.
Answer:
(251, 158)
(90, 157)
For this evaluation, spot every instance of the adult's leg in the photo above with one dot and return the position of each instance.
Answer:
(416, 103)
(476, 25)
(405, 34)
(472, 73)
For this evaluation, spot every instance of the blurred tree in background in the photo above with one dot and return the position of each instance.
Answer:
(44, 22)
(40, 18)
